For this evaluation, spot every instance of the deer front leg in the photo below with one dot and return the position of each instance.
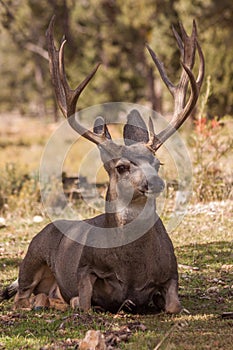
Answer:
(172, 303)
(22, 302)
(28, 280)
(85, 288)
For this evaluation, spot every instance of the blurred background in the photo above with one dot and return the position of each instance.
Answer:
(114, 33)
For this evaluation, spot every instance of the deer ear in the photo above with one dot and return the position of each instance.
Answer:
(100, 127)
(135, 130)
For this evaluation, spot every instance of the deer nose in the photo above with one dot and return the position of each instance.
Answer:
(156, 184)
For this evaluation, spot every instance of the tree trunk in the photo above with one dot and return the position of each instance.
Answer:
(155, 92)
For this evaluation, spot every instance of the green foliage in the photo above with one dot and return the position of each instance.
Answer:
(211, 144)
(113, 32)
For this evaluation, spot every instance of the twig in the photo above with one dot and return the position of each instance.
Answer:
(227, 315)
(166, 336)
(127, 302)
(187, 267)
(37, 49)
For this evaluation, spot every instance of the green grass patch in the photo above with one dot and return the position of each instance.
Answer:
(206, 292)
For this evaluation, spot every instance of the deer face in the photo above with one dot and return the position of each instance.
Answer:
(133, 167)
(136, 172)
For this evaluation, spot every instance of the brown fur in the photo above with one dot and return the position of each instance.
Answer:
(61, 264)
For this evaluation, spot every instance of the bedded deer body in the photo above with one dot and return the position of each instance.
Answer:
(138, 271)
(125, 253)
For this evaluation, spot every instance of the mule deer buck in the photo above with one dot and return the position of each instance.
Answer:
(73, 259)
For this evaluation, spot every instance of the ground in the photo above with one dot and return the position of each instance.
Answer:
(203, 244)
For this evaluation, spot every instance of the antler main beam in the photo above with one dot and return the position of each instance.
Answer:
(182, 109)
(66, 97)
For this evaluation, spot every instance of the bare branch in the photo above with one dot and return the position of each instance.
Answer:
(37, 49)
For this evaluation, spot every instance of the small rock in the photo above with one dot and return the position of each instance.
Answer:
(37, 219)
(2, 222)
(213, 289)
(94, 340)
(227, 267)
(226, 286)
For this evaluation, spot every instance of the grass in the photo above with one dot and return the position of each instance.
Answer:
(206, 292)
(203, 244)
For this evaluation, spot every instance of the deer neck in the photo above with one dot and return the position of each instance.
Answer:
(120, 212)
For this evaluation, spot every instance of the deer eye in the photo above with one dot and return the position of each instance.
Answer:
(122, 168)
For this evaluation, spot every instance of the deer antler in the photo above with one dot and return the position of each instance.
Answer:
(187, 46)
(66, 97)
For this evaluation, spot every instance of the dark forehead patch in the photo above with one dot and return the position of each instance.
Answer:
(138, 152)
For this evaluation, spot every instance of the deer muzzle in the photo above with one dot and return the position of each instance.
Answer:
(151, 183)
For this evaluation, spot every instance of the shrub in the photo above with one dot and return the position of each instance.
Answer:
(19, 191)
(211, 144)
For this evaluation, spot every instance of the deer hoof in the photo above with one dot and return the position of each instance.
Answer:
(22, 304)
(40, 302)
(74, 303)
(173, 308)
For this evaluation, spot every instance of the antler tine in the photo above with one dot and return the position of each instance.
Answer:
(179, 41)
(187, 57)
(179, 119)
(62, 73)
(187, 46)
(72, 95)
(151, 128)
(54, 68)
(66, 97)
(201, 72)
(152, 136)
(161, 70)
